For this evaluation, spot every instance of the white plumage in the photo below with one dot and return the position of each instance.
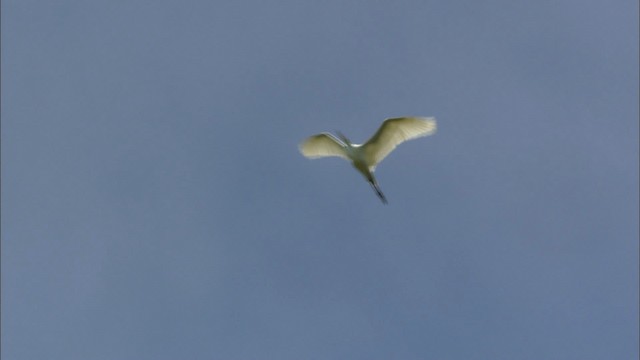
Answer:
(365, 157)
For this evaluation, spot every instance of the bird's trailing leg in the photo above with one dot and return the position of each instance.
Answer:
(376, 188)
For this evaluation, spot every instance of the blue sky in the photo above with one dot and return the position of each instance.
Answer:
(155, 204)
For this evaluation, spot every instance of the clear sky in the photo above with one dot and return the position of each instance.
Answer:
(155, 204)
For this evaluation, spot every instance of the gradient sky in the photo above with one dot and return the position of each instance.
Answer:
(155, 204)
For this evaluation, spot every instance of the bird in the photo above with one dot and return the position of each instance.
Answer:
(366, 157)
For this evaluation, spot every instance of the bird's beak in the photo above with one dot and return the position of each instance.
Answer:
(343, 138)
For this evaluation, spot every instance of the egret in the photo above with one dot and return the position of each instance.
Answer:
(365, 157)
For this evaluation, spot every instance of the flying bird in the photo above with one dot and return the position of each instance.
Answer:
(365, 157)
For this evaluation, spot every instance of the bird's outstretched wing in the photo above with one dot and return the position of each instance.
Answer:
(392, 133)
(323, 145)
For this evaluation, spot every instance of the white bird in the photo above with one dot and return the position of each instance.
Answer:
(365, 157)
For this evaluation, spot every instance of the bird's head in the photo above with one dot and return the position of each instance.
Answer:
(343, 138)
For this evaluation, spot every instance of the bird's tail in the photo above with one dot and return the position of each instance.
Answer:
(376, 188)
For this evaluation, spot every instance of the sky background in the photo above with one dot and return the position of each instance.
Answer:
(155, 204)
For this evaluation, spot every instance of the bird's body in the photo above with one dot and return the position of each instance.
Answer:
(365, 157)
